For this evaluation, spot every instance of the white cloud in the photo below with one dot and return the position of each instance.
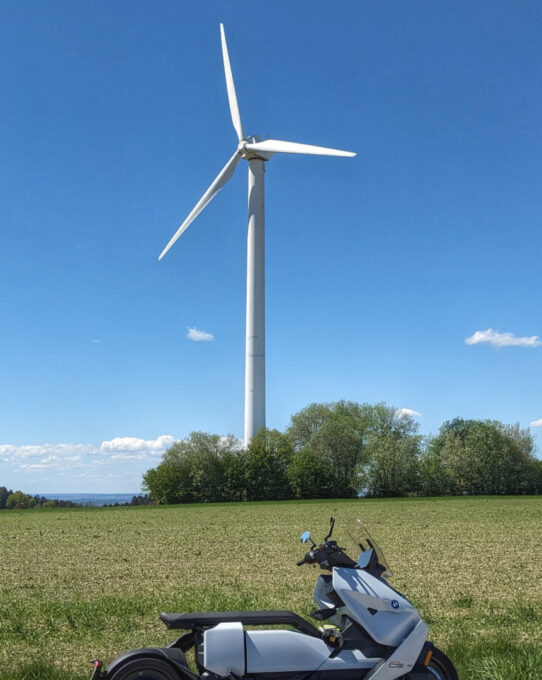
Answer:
(57, 457)
(35, 467)
(99, 461)
(496, 339)
(151, 447)
(537, 423)
(50, 459)
(89, 475)
(96, 341)
(125, 457)
(401, 412)
(199, 336)
(53, 463)
(10, 452)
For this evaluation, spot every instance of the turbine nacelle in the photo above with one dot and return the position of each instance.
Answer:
(248, 153)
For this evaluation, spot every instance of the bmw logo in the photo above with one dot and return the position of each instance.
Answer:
(395, 604)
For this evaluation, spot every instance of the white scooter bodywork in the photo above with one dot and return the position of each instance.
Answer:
(386, 616)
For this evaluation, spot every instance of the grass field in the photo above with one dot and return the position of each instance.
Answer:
(81, 583)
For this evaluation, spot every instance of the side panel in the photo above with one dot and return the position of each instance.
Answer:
(402, 659)
(393, 616)
(278, 651)
(321, 593)
(224, 649)
(323, 596)
(346, 660)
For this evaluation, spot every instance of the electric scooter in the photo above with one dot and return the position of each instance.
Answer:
(368, 631)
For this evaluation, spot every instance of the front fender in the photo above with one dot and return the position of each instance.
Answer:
(171, 654)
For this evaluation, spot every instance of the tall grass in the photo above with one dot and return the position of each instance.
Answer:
(76, 584)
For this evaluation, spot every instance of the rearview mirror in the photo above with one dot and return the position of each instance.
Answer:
(305, 537)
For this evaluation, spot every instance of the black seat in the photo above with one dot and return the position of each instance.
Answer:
(264, 618)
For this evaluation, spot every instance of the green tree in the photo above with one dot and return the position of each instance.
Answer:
(479, 457)
(165, 483)
(4, 493)
(19, 501)
(335, 435)
(535, 476)
(392, 453)
(267, 459)
(191, 470)
(234, 463)
(304, 424)
(311, 475)
(435, 478)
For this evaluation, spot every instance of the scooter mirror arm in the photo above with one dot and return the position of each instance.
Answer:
(331, 525)
(306, 537)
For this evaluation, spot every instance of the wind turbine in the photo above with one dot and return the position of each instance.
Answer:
(256, 151)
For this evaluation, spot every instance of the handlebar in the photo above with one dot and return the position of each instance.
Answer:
(307, 558)
(328, 555)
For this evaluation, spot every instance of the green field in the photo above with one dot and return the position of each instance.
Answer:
(81, 583)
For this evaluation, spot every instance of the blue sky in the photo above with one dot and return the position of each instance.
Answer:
(114, 120)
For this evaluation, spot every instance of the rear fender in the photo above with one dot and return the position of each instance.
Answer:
(173, 655)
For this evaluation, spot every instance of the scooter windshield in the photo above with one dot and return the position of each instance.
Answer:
(363, 541)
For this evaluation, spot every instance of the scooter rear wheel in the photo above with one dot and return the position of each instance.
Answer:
(145, 668)
(441, 667)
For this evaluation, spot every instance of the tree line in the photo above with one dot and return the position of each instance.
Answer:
(345, 449)
(17, 500)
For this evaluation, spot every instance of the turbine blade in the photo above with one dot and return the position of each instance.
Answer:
(222, 178)
(278, 146)
(230, 86)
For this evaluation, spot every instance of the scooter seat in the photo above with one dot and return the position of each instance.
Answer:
(262, 618)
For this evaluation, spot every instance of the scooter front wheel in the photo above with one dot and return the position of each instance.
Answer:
(441, 667)
(145, 668)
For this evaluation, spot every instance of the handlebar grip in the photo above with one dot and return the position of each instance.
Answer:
(302, 562)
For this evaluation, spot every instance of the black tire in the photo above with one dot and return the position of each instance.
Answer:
(441, 667)
(145, 668)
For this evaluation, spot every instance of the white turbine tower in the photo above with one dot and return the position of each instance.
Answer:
(256, 151)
